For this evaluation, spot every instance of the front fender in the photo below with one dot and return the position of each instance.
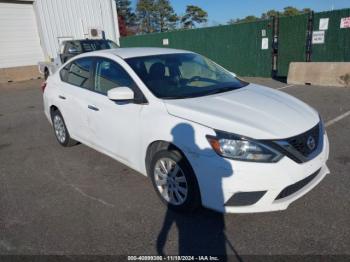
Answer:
(188, 136)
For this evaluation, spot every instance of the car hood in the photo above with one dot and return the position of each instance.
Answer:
(253, 111)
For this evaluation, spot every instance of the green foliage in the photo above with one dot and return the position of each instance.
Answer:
(166, 18)
(146, 16)
(306, 10)
(247, 19)
(159, 16)
(290, 11)
(269, 14)
(287, 11)
(155, 16)
(194, 15)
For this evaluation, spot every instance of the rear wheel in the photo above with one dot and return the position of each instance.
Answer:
(61, 131)
(174, 181)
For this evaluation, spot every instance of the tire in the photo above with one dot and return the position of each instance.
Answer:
(181, 180)
(46, 74)
(60, 130)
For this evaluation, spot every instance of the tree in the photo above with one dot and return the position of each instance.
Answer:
(166, 18)
(307, 10)
(287, 11)
(290, 11)
(247, 19)
(123, 31)
(124, 10)
(270, 14)
(194, 15)
(146, 16)
(126, 17)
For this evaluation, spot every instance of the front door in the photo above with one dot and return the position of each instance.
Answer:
(115, 126)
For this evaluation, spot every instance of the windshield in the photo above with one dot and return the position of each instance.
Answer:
(176, 76)
(94, 45)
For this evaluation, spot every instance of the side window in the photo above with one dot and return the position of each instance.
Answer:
(79, 72)
(109, 75)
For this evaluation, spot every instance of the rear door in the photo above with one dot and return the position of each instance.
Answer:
(73, 95)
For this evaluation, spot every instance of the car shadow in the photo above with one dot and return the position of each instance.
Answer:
(201, 232)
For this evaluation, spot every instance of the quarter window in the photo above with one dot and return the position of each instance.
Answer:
(110, 75)
(64, 73)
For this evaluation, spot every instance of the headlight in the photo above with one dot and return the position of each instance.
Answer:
(238, 148)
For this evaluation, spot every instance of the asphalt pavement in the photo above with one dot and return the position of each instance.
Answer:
(76, 201)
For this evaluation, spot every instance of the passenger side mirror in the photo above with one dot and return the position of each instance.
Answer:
(73, 51)
(122, 93)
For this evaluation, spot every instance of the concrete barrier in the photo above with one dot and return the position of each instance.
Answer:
(20, 73)
(319, 73)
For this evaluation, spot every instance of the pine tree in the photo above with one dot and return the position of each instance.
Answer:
(165, 15)
(146, 16)
(194, 15)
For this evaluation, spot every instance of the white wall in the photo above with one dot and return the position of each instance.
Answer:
(19, 38)
(71, 19)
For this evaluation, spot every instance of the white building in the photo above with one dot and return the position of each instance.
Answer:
(31, 31)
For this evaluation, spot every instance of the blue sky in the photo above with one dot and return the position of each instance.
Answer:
(220, 11)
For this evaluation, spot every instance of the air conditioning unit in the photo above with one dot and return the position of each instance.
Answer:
(95, 33)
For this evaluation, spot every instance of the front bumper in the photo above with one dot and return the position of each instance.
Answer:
(220, 179)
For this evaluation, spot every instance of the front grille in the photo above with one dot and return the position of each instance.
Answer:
(300, 142)
(297, 186)
(303, 147)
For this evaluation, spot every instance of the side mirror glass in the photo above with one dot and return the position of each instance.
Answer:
(72, 51)
(122, 93)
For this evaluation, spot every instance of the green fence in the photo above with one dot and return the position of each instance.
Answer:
(238, 47)
(291, 42)
(337, 40)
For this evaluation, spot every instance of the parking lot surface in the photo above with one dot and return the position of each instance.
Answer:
(65, 201)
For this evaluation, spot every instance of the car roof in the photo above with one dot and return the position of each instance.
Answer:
(131, 52)
(86, 39)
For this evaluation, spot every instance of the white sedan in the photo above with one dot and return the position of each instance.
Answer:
(203, 136)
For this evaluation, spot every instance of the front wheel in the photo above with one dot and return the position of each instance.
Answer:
(174, 181)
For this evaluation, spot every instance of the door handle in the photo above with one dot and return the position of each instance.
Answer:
(93, 108)
(62, 97)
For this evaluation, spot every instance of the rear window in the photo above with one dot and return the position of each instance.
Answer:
(89, 46)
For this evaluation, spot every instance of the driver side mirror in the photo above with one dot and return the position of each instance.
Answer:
(122, 93)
